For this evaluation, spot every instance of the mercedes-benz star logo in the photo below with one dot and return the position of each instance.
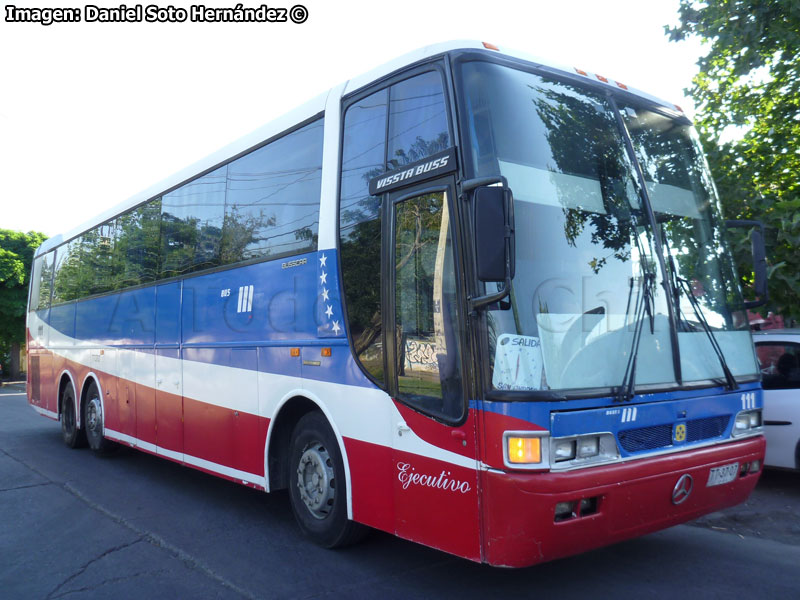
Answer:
(682, 489)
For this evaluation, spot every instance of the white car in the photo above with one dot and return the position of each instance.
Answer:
(778, 352)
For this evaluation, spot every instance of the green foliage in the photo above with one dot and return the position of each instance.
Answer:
(748, 116)
(16, 255)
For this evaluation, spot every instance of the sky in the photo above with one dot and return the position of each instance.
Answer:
(92, 113)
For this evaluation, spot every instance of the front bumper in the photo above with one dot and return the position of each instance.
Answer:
(632, 499)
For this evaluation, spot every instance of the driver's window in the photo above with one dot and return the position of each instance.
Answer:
(426, 312)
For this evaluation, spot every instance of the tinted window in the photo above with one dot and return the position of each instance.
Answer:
(780, 365)
(70, 278)
(136, 245)
(273, 198)
(417, 120)
(265, 203)
(363, 156)
(98, 259)
(413, 114)
(426, 321)
(46, 285)
(191, 225)
(36, 280)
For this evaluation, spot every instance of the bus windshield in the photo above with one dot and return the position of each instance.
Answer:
(588, 276)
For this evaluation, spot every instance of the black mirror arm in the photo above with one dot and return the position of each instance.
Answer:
(480, 302)
(470, 184)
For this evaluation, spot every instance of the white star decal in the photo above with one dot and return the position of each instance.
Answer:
(336, 327)
(329, 312)
(325, 295)
(323, 278)
(322, 260)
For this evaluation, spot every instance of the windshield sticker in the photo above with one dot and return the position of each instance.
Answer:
(517, 363)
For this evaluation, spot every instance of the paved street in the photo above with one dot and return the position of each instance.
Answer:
(135, 526)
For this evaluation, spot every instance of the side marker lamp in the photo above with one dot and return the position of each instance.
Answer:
(524, 450)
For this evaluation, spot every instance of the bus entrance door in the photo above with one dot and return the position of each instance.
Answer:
(434, 448)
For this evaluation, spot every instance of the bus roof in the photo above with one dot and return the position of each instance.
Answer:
(316, 106)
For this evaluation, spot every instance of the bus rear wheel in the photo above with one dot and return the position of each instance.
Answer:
(317, 489)
(93, 422)
(72, 436)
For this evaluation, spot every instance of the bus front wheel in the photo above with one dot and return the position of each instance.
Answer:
(317, 487)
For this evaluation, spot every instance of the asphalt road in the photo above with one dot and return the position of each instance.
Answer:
(135, 526)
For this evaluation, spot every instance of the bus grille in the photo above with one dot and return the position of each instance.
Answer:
(704, 429)
(646, 438)
(660, 436)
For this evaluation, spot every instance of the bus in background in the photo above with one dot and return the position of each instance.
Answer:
(472, 299)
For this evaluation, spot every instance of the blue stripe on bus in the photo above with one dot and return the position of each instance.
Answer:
(247, 318)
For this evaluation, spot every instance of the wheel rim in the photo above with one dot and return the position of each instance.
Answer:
(94, 416)
(315, 480)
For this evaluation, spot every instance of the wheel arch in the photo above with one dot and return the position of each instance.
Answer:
(288, 412)
(88, 380)
(65, 379)
(797, 456)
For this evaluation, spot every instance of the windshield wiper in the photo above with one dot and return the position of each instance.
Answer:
(698, 311)
(680, 284)
(644, 305)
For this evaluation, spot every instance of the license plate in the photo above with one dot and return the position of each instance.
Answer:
(724, 474)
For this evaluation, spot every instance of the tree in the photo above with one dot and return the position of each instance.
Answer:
(16, 256)
(748, 115)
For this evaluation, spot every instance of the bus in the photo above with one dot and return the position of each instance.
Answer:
(470, 298)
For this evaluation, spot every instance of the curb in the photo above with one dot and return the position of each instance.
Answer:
(18, 386)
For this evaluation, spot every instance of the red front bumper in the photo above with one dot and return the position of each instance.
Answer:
(633, 499)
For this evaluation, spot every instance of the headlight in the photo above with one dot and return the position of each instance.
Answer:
(747, 422)
(588, 446)
(535, 450)
(563, 450)
(583, 450)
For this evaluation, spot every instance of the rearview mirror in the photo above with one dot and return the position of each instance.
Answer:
(494, 239)
(493, 227)
(759, 252)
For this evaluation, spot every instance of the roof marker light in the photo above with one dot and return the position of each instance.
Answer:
(678, 107)
(621, 85)
(489, 46)
(601, 78)
(581, 72)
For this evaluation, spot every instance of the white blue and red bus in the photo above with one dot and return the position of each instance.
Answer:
(472, 299)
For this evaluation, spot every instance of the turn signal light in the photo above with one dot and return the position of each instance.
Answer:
(295, 352)
(524, 450)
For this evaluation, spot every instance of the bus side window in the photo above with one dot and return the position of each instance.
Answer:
(363, 150)
(426, 321)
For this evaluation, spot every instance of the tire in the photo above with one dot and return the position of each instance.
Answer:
(72, 436)
(93, 423)
(317, 488)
